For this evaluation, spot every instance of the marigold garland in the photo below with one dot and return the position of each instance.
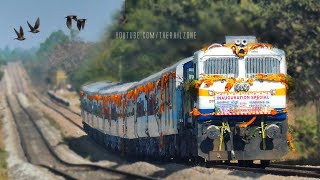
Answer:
(231, 81)
(208, 80)
(236, 49)
(250, 81)
(274, 77)
(120, 100)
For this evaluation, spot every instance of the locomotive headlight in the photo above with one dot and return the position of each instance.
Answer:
(246, 87)
(211, 92)
(272, 91)
(237, 42)
(237, 87)
(244, 42)
(273, 131)
(213, 132)
(242, 87)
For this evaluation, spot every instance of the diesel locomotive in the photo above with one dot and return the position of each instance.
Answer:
(226, 102)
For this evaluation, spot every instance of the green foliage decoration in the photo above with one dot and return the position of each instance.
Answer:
(190, 87)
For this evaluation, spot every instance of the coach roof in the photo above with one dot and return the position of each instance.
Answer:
(93, 88)
(117, 88)
(156, 76)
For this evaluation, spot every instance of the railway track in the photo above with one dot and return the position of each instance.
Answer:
(38, 150)
(28, 130)
(63, 106)
(274, 169)
(45, 102)
(58, 110)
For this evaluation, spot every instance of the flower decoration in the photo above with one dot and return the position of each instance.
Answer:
(250, 81)
(274, 77)
(241, 51)
(230, 83)
(209, 79)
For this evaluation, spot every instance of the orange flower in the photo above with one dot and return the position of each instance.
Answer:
(195, 112)
(81, 93)
(130, 94)
(250, 81)
(98, 97)
(273, 112)
(135, 94)
(106, 98)
(230, 83)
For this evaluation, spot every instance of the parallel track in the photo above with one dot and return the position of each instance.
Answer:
(63, 106)
(58, 111)
(36, 135)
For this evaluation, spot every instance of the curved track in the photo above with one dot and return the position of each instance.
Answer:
(38, 150)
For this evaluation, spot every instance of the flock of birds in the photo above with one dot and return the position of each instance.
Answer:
(35, 28)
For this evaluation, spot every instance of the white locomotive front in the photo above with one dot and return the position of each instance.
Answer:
(241, 102)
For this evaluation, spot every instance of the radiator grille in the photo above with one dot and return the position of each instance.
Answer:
(222, 65)
(264, 65)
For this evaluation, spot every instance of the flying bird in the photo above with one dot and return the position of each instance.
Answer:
(123, 19)
(20, 34)
(35, 28)
(69, 20)
(81, 23)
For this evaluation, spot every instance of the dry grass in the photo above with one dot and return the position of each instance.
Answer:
(53, 123)
(67, 94)
(303, 127)
(3, 156)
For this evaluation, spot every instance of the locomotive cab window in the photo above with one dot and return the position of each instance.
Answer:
(191, 73)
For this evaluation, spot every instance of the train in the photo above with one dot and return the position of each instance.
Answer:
(226, 102)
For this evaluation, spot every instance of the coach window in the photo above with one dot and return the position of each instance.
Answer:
(140, 109)
(151, 105)
(130, 109)
(106, 112)
(114, 114)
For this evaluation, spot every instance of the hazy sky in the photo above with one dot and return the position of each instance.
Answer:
(14, 13)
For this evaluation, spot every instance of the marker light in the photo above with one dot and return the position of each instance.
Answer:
(272, 91)
(211, 92)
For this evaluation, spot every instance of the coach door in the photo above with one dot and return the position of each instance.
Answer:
(188, 101)
(142, 117)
